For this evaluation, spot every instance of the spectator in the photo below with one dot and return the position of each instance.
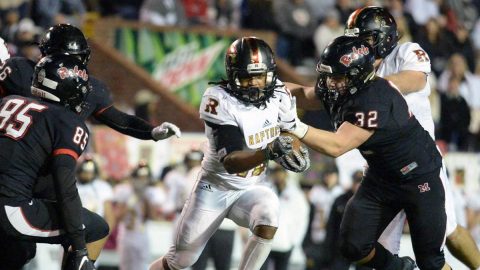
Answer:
(95, 193)
(296, 23)
(163, 12)
(257, 14)
(469, 83)
(422, 10)
(328, 30)
(132, 205)
(433, 39)
(345, 8)
(321, 8)
(335, 259)
(454, 117)
(227, 13)
(9, 25)
(459, 42)
(405, 22)
(196, 11)
(293, 221)
(321, 196)
(50, 12)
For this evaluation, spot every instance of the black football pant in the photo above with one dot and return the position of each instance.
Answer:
(378, 201)
(25, 223)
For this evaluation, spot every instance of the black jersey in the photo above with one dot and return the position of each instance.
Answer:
(16, 79)
(32, 132)
(400, 147)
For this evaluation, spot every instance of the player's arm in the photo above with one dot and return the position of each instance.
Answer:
(305, 95)
(346, 138)
(408, 81)
(70, 206)
(125, 123)
(135, 126)
(229, 143)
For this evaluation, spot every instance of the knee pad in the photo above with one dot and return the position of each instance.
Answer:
(96, 227)
(431, 261)
(354, 251)
(265, 213)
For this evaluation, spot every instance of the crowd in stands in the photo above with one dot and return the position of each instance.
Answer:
(448, 30)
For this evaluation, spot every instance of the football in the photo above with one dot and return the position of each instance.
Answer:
(296, 141)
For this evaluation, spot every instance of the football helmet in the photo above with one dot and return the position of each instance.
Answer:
(247, 57)
(87, 170)
(349, 57)
(65, 39)
(375, 22)
(61, 78)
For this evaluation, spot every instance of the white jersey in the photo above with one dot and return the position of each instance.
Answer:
(94, 195)
(410, 56)
(259, 127)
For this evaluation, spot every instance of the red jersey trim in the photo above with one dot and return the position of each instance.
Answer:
(102, 110)
(65, 151)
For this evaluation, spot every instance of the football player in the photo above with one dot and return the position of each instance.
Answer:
(241, 116)
(16, 76)
(404, 166)
(407, 65)
(47, 136)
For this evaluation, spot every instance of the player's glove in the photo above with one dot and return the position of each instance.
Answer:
(78, 260)
(165, 130)
(297, 161)
(288, 119)
(281, 146)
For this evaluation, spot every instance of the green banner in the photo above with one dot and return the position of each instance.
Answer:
(184, 62)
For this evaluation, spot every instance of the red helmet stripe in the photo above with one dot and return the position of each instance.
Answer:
(353, 17)
(254, 54)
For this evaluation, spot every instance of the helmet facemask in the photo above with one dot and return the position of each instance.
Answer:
(248, 93)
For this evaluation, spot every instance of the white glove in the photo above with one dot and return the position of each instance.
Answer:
(299, 163)
(165, 130)
(289, 121)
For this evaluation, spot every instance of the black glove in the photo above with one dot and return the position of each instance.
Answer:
(281, 146)
(78, 260)
(296, 161)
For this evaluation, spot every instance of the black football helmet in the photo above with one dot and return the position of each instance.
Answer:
(345, 56)
(376, 22)
(65, 39)
(61, 78)
(246, 57)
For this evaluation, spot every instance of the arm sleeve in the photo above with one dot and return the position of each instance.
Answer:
(126, 124)
(63, 171)
(227, 138)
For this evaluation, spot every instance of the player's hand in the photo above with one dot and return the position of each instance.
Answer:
(288, 119)
(78, 260)
(297, 161)
(165, 130)
(281, 146)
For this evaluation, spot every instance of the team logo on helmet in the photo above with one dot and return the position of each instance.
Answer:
(64, 72)
(73, 46)
(356, 53)
(41, 75)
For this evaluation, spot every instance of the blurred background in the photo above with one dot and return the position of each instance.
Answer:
(157, 57)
